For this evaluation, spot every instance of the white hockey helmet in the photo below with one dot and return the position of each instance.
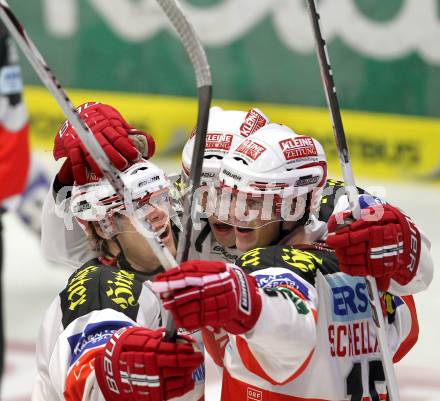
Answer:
(226, 128)
(145, 183)
(277, 162)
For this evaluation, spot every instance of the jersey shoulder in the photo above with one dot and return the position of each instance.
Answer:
(96, 287)
(332, 191)
(303, 260)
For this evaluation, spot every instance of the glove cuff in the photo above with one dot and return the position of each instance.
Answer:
(143, 142)
(106, 372)
(411, 249)
(65, 175)
(249, 303)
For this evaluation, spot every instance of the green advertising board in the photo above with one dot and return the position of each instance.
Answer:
(385, 54)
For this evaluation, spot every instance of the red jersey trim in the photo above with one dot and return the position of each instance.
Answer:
(236, 390)
(215, 346)
(78, 375)
(251, 363)
(413, 335)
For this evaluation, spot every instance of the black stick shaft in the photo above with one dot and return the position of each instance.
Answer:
(199, 61)
(334, 110)
(86, 136)
(202, 72)
(352, 193)
(204, 101)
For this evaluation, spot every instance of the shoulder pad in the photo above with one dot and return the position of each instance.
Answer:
(96, 287)
(304, 262)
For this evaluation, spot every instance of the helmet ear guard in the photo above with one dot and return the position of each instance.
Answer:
(312, 175)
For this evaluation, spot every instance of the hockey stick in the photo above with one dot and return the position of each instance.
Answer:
(50, 81)
(203, 76)
(347, 172)
(199, 61)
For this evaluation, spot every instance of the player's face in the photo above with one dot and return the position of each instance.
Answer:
(223, 233)
(254, 220)
(250, 238)
(136, 248)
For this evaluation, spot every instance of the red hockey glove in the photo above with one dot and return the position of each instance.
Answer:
(121, 142)
(138, 364)
(201, 293)
(387, 248)
(65, 175)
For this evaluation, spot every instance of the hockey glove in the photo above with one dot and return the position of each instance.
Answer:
(138, 364)
(202, 293)
(121, 142)
(388, 248)
(65, 175)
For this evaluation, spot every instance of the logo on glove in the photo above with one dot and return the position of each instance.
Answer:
(414, 245)
(108, 367)
(245, 296)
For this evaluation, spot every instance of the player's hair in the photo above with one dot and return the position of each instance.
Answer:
(98, 244)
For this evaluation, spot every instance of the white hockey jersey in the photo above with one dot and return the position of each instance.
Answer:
(280, 358)
(96, 301)
(63, 241)
(315, 338)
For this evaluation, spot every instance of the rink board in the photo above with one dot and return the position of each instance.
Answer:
(381, 145)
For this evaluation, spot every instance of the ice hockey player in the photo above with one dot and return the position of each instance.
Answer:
(292, 312)
(62, 240)
(273, 164)
(274, 178)
(214, 239)
(101, 338)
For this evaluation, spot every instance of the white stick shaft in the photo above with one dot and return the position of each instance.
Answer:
(49, 80)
